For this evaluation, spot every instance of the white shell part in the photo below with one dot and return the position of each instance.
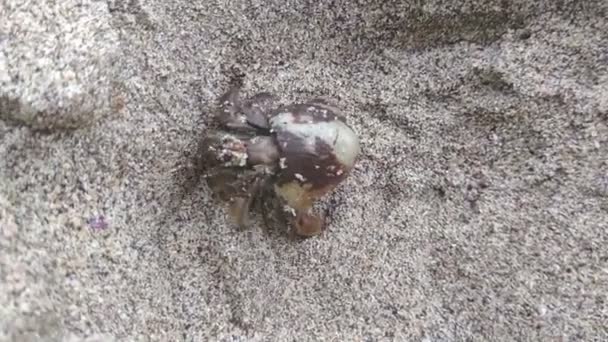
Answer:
(335, 133)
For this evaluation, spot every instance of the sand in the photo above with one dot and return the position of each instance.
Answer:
(478, 209)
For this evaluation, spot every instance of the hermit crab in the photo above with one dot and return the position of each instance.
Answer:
(256, 148)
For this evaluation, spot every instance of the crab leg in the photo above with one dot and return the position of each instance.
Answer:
(307, 224)
(239, 206)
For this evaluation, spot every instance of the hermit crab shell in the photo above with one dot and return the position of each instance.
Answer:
(318, 150)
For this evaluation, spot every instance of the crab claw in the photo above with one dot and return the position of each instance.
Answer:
(262, 151)
(307, 224)
(244, 114)
(257, 107)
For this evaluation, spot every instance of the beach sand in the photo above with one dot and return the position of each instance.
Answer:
(478, 209)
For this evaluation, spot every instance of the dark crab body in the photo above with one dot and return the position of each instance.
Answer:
(298, 153)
